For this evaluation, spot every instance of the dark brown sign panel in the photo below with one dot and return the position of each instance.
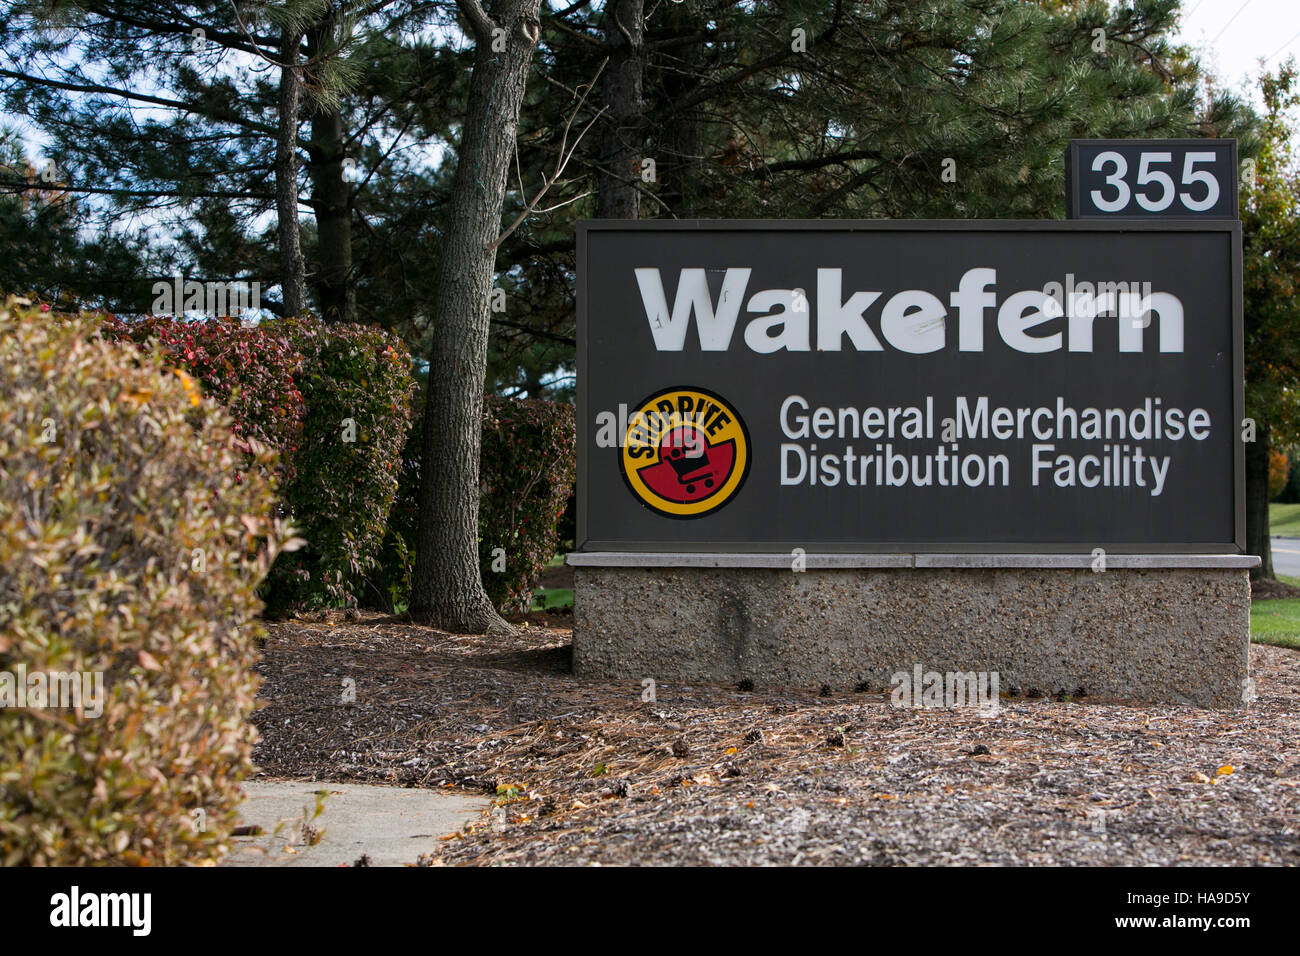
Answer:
(901, 386)
(1151, 179)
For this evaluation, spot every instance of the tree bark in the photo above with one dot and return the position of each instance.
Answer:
(681, 137)
(448, 589)
(1257, 539)
(332, 276)
(331, 200)
(293, 280)
(621, 142)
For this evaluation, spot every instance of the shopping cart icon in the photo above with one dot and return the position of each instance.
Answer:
(691, 463)
(687, 455)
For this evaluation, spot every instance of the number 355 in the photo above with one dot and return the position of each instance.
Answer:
(1162, 196)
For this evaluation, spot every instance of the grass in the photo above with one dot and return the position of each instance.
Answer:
(1277, 621)
(546, 598)
(1284, 520)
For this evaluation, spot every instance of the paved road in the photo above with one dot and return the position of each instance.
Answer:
(1286, 556)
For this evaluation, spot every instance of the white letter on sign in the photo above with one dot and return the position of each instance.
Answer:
(912, 321)
(791, 322)
(714, 330)
(970, 300)
(1168, 309)
(1023, 311)
(835, 317)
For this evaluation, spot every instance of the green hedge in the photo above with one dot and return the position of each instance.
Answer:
(526, 476)
(305, 387)
(357, 388)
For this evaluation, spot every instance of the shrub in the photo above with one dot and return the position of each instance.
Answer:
(356, 385)
(526, 475)
(130, 546)
(1279, 470)
(249, 369)
(388, 585)
(294, 385)
(1291, 490)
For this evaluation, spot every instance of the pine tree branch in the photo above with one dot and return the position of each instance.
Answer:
(233, 41)
(572, 8)
(540, 333)
(576, 34)
(22, 186)
(777, 58)
(179, 105)
(817, 162)
(382, 159)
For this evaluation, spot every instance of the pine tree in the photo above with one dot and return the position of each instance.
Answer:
(812, 108)
(169, 113)
(42, 253)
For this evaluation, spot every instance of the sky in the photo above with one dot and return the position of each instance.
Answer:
(1232, 35)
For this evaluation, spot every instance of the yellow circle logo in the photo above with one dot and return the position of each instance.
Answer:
(685, 453)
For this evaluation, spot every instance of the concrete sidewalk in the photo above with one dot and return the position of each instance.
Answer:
(391, 825)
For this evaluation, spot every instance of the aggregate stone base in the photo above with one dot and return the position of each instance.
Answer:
(1152, 636)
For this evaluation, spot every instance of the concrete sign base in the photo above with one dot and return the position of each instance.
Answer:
(1149, 628)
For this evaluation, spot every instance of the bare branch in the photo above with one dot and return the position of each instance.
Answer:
(567, 202)
(382, 159)
(561, 161)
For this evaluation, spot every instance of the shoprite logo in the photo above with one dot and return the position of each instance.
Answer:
(686, 452)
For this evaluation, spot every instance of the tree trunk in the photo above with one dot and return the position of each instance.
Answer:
(448, 589)
(681, 137)
(331, 201)
(292, 270)
(1257, 539)
(621, 146)
(332, 276)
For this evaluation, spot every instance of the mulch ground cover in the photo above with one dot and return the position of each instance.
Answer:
(585, 772)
